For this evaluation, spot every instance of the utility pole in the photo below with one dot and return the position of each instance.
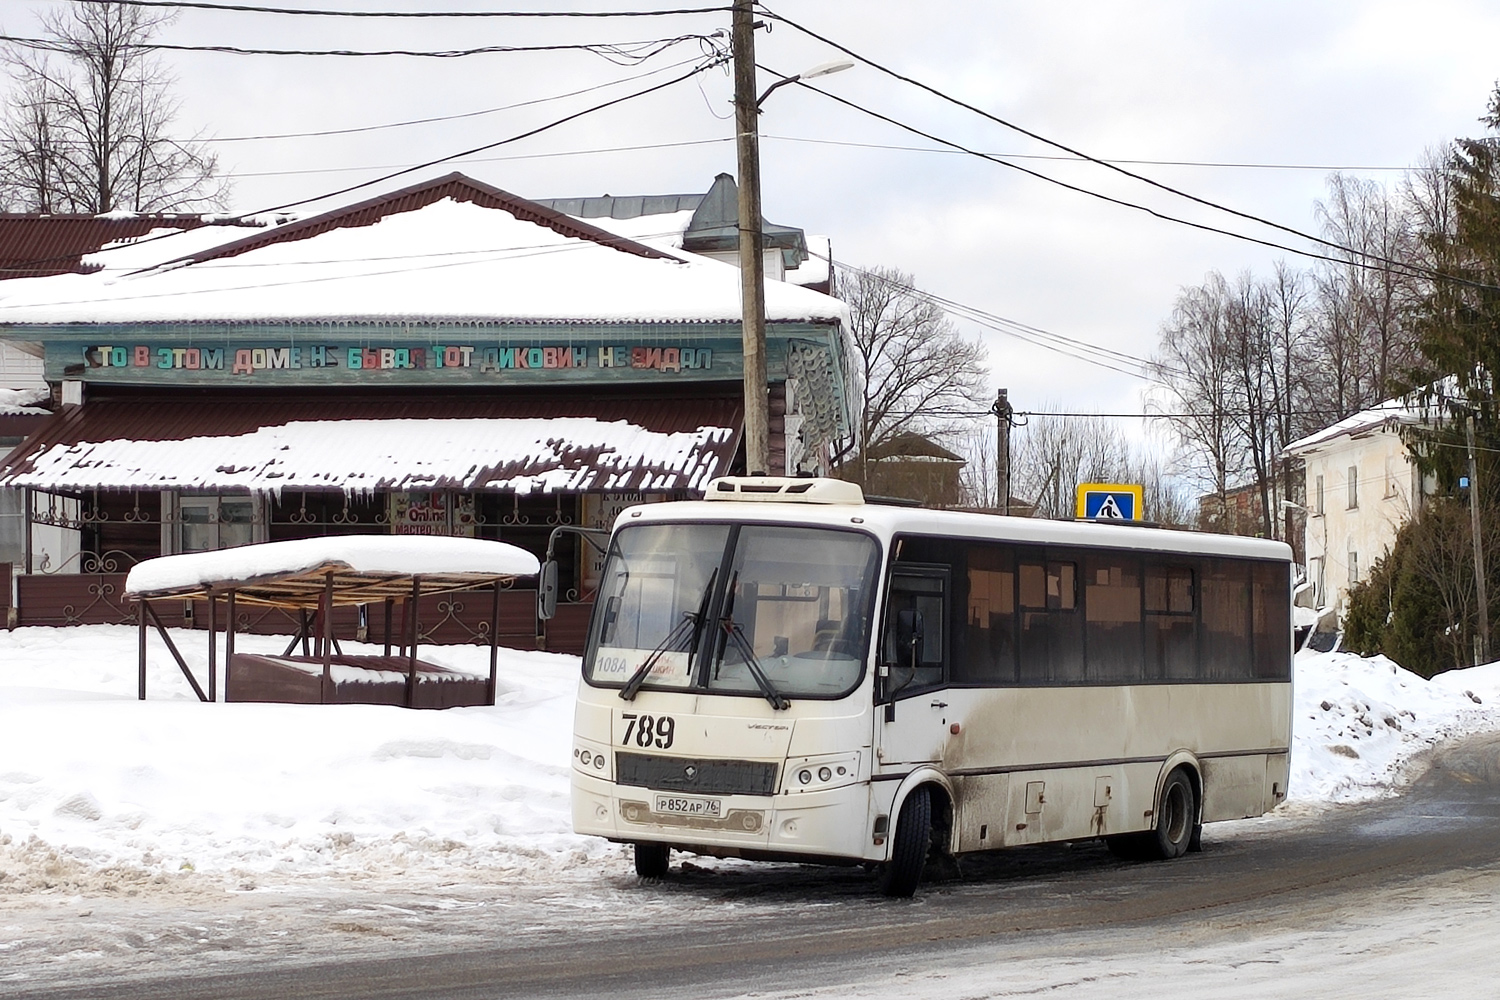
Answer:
(752, 264)
(1003, 414)
(1482, 651)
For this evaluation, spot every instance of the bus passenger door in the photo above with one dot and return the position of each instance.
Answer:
(912, 723)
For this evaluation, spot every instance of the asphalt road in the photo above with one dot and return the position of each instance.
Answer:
(727, 932)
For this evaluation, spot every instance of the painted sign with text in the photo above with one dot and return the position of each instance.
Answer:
(102, 360)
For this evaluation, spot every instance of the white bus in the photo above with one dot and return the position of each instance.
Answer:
(783, 671)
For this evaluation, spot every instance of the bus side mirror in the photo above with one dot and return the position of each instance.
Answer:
(546, 590)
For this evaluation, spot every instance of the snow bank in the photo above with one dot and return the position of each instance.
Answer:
(1358, 721)
(92, 779)
(95, 785)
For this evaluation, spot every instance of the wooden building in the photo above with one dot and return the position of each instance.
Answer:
(446, 358)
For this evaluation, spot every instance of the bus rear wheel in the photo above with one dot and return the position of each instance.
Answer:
(909, 846)
(651, 859)
(1176, 819)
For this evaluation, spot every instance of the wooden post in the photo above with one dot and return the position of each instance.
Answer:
(389, 602)
(411, 662)
(228, 639)
(1482, 647)
(161, 630)
(213, 642)
(140, 619)
(494, 640)
(326, 610)
(306, 629)
(752, 265)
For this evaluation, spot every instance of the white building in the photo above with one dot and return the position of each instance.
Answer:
(1362, 486)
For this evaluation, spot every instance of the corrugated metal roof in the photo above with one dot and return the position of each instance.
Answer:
(33, 246)
(359, 443)
(623, 207)
(459, 187)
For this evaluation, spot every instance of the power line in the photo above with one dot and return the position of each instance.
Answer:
(502, 142)
(1078, 159)
(1080, 350)
(620, 53)
(1390, 265)
(489, 159)
(258, 9)
(449, 118)
(715, 61)
(1401, 270)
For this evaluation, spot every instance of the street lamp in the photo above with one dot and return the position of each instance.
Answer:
(752, 264)
(822, 69)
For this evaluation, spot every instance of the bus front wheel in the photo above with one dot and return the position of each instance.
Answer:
(651, 859)
(910, 845)
(1176, 818)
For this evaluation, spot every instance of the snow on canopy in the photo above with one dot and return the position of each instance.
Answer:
(348, 556)
(449, 260)
(522, 454)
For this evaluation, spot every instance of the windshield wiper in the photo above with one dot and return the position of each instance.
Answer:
(689, 620)
(733, 632)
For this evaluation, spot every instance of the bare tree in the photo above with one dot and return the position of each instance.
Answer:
(1194, 366)
(88, 126)
(918, 374)
(1051, 456)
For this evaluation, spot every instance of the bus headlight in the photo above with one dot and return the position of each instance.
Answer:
(589, 760)
(813, 774)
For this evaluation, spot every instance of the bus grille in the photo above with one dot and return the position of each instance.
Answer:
(707, 777)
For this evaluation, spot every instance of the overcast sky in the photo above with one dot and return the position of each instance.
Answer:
(1330, 84)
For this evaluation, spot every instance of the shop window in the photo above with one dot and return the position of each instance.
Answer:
(206, 523)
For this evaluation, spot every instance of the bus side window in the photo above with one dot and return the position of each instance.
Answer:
(1112, 612)
(1272, 610)
(986, 653)
(1051, 630)
(1225, 647)
(923, 593)
(1171, 625)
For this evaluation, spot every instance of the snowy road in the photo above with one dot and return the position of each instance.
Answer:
(1385, 898)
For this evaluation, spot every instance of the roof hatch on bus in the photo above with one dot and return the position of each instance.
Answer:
(780, 489)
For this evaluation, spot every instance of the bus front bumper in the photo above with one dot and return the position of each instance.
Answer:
(831, 822)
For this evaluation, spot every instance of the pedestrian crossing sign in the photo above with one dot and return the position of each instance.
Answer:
(1109, 502)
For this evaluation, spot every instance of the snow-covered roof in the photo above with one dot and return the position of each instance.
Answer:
(22, 402)
(366, 568)
(449, 259)
(815, 269)
(1390, 414)
(525, 455)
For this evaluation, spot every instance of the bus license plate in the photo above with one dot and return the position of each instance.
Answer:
(677, 806)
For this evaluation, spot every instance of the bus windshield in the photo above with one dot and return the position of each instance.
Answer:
(761, 610)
